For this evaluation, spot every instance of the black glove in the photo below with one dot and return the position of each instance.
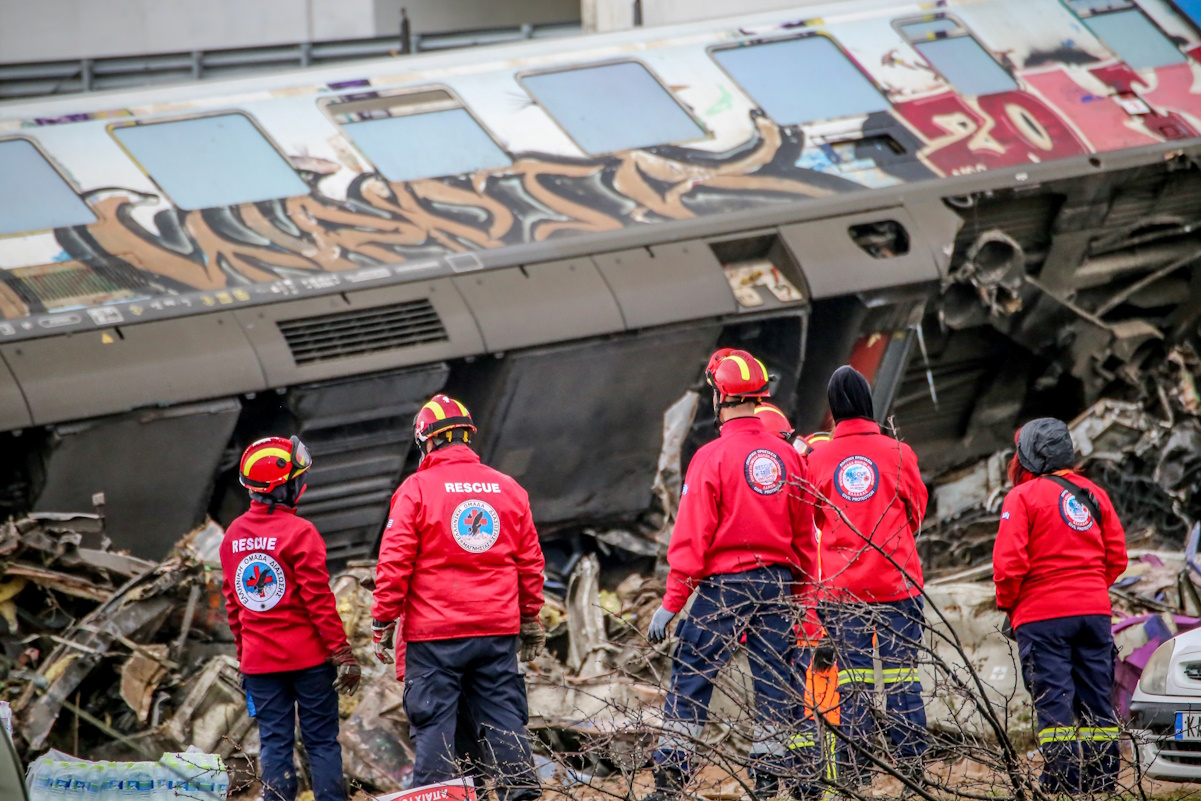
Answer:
(532, 637)
(659, 623)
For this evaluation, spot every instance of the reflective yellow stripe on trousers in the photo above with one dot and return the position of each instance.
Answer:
(801, 741)
(900, 675)
(1056, 734)
(856, 676)
(1100, 733)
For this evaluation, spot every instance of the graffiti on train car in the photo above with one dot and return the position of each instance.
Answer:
(535, 199)
(1068, 97)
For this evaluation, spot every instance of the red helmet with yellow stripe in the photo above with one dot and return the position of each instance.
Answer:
(715, 360)
(738, 377)
(775, 421)
(272, 462)
(442, 415)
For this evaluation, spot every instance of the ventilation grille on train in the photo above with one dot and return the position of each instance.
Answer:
(71, 283)
(355, 333)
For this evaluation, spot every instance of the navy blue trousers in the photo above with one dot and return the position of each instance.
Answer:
(278, 699)
(1067, 665)
(758, 604)
(897, 626)
(480, 672)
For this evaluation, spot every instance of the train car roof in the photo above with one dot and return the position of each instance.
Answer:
(418, 67)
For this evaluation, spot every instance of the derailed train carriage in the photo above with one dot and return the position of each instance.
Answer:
(560, 232)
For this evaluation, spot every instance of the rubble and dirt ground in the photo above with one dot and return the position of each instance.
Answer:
(113, 656)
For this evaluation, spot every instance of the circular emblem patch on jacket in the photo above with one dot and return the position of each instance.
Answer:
(764, 471)
(856, 478)
(1074, 512)
(475, 526)
(259, 582)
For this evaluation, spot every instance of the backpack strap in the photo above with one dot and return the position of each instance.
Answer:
(1083, 496)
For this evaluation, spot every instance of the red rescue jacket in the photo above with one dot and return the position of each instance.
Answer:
(872, 480)
(1051, 559)
(460, 556)
(738, 512)
(281, 609)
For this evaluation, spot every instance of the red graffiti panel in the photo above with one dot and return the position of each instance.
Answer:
(1100, 118)
(1171, 94)
(1008, 129)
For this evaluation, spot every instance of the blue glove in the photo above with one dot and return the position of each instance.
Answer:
(658, 630)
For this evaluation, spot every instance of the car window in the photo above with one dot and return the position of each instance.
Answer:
(427, 133)
(954, 52)
(1127, 32)
(769, 71)
(613, 107)
(211, 161)
(35, 196)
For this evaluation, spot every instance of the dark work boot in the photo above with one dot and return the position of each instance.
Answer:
(766, 785)
(669, 784)
(914, 771)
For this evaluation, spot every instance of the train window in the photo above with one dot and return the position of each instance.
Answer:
(932, 29)
(959, 58)
(424, 134)
(1128, 32)
(1190, 9)
(35, 196)
(768, 72)
(613, 107)
(211, 161)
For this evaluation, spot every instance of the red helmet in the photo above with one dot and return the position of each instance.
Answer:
(442, 414)
(775, 421)
(273, 462)
(740, 376)
(715, 360)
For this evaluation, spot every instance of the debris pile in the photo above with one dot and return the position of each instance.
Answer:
(595, 693)
(111, 655)
(116, 657)
(1145, 453)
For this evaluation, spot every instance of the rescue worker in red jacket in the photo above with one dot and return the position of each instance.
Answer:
(742, 537)
(460, 562)
(813, 665)
(1059, 547)
(292, 648)
(870, 501)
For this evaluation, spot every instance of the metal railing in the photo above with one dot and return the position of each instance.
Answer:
(41, 78)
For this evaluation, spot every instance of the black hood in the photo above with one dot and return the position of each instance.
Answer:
(1045, 445)
(850, 395)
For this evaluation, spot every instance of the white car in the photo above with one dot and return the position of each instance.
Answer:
(1165, 710)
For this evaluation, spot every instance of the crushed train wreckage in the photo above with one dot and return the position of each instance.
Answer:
(119, 657)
